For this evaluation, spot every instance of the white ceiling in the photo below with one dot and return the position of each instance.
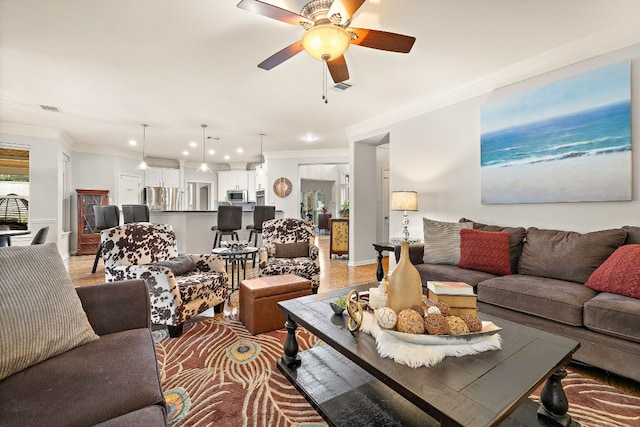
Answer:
(174, 64)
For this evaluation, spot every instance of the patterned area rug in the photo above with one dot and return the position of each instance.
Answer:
(217, 373)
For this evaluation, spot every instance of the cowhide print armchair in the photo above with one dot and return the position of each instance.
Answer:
(180, 286)
(289, 248)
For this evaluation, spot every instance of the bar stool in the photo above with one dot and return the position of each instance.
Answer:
(135, 213)
(229, 222)
(106, 216)
(260, 215)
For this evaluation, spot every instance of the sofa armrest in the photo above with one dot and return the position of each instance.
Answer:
(416, 253)
(116, 306)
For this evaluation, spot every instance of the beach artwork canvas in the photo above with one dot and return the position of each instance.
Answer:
(565, 141)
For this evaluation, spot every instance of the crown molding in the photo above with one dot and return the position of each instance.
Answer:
(571, 53)
(295, 154)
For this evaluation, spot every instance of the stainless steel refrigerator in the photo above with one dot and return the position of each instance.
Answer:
(163, 198)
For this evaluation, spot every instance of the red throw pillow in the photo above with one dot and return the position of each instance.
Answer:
(619, 274)
(486, 251)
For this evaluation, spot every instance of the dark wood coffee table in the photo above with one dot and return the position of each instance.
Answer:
(351, 385)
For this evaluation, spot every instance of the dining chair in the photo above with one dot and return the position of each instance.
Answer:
(5, 240)
(106, 216)
(229, 222)
(135, 213)
(41, 236)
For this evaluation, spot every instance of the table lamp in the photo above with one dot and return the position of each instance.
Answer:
(404, 201)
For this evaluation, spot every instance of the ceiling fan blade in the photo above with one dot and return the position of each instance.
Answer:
(345, 7)
(281, 56)
(338, 69)
(382, 40)
(273, 12)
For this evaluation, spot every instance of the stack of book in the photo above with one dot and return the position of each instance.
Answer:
(457, 295)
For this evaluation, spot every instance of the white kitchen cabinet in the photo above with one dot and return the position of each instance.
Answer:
(162, 178)
(261, 181)
(236, 180)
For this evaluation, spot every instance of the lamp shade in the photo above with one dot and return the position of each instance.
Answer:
(404, 201)
(326, 42)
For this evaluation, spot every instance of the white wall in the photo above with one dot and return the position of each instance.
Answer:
(46, 150)
(437, 153)
(286, 164)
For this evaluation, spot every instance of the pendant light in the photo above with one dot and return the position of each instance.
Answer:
(203, 167)
(143, 165)
(260, 168)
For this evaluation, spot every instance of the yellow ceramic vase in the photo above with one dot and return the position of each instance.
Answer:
(405, 285)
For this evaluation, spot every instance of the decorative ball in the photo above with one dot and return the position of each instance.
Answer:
(456, 326)
(444, 309)
(433, 310)
(472, 321)
(436, 324)
(410, 321)
(386, 317)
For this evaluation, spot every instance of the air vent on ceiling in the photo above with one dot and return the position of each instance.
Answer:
(342, 86)
(50, 108)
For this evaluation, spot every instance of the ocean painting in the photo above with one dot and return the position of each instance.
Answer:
(566, 141)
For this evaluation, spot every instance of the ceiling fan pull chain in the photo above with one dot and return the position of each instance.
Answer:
(324, 82)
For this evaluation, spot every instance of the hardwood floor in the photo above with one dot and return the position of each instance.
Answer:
(335, 272)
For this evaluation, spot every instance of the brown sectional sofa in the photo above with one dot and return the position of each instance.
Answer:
(546, 290)
(112, 381)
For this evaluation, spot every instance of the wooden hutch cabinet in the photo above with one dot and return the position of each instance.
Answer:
(88, 236)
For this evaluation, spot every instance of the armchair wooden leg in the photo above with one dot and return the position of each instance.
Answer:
(175, 331)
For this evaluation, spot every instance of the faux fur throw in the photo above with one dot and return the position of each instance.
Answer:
(415, 355)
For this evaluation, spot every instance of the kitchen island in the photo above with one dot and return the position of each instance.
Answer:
(193, 228)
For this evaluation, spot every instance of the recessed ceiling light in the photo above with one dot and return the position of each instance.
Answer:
(185, 153)
(309, 138)
(212, 152)
(193, 144)
(239, 150)
(227, 157)
(133, 142)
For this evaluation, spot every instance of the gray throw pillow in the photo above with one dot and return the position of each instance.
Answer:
(442, 241)
(182, 264)
(41, 315)
(292, 250)
(567, 255)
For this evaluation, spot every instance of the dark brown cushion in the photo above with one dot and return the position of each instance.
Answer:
(619, 274)
(552, 299)
(486, 251)
(614, 315)
(106, 378)
(516, 237)
(292, 250)
(182, 264)
(567, 255)
(633, 234)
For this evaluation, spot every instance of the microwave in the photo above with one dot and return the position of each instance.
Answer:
(237, 196)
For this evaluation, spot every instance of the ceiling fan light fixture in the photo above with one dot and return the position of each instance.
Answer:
(326, 42)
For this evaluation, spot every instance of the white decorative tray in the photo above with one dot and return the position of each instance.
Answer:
(488, 328)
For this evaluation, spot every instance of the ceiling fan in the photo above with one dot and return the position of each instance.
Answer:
(327, 34)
